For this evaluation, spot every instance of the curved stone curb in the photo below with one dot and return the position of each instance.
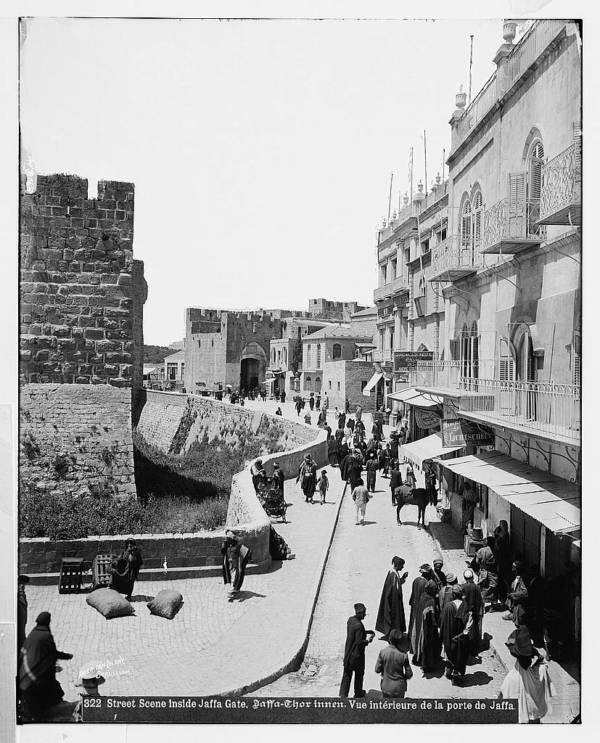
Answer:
(294, 663)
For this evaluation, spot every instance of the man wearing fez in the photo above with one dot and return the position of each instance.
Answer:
(357, 639)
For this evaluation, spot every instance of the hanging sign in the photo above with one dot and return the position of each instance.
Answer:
(460, 432)
(409, 359)
(426, 418)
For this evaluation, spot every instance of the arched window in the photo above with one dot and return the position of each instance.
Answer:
(318, 355)
(337, 351)
(466, 225)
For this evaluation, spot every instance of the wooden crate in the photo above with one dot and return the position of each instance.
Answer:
(101, 575)
(71, 575)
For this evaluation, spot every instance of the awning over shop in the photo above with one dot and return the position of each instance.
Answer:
(372, 383)
(428, 448)
(554, 503)
(420, 399)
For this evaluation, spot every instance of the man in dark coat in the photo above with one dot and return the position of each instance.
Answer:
(354, 472)
(445, 595)
(342, 421)
(438, 574)
(425, 637)
(391, 606)
(235, 560)
(357, 639)
(395, 479)
(37, 672)
(455, 625)
(372, 467)
(278, 478)
(418, 587)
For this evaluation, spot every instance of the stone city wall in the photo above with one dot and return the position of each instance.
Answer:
(81, 292)
(76, 439)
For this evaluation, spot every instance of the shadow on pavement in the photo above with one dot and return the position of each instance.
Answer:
(479, 678)
(448, 537)
(437, 674)
(245, 595)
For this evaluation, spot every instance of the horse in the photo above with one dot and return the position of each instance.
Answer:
(409, 496)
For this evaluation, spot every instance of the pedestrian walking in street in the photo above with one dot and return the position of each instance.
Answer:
(298, 405)
(425, 632)
(518, 590)
(529, 680)
(455, 626)
(325, 404)
(38, 687)
(371, 468)
(394, 666)
(418, 586)
(235, 559)
(323, 485)
(318, 401)
(384, 460)
(361, 496)
(125, 569)
(278, 411)
(391, 605)
(355, 470)
(395, 481)
(431, 484)
(357, 639)
(445, 594)
(474, 601)
(311, 401)
(307, 476)
(341, 421)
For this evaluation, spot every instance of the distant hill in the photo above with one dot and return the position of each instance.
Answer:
(156, 354)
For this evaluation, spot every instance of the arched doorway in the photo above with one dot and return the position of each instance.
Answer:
(252, 367)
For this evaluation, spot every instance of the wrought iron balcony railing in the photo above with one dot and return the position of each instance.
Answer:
(511, 225)
(560, 201)
(451, 260)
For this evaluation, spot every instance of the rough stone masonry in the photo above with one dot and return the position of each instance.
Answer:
(81, 317)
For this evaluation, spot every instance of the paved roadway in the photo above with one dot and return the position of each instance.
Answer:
(358, 563)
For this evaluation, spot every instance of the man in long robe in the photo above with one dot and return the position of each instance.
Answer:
(125, 569)
(484, 563)
(371, 468)
(395, 480)
(418, 587)
(445, 595)
(455, 625)
(37, 672)
(474, 602)
(391, 606)
(235, 559)
(357, 640)
(425, 637)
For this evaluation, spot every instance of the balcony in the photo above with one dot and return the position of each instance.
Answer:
(510, 226)
(541, 408)
(451, 261)
(398, 285)
(560, 201)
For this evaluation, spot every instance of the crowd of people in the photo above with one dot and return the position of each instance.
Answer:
(443, 635)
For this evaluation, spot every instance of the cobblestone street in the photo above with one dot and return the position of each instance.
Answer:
(358, 563)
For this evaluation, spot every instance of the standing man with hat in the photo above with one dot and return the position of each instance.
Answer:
(474, 601)
(357, 639)
(418, 587)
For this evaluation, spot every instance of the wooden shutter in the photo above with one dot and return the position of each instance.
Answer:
(517, 189)
(455, 349)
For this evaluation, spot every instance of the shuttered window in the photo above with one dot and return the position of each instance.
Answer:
(477, 219)
(536, 160)
(466, 225)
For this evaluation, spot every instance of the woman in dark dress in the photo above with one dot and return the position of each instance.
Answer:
(503, 559)
(455, 624)
(391, 606)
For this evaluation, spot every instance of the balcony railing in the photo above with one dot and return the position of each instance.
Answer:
(393, 287)
(542, 407)
(535, 406)
(511, 225)
(541, 34)
(560, 201)
(450, 260)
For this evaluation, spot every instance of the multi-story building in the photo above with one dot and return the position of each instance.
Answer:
(506, 387)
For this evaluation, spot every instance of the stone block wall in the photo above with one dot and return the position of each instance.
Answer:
(81, 291)
(74, 439)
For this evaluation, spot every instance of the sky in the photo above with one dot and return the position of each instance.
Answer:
(261, 151)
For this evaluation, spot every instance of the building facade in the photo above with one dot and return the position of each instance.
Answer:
(505, 383)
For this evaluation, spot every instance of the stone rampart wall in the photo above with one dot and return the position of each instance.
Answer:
(76, 438)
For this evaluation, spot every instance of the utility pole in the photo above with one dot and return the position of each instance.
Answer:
(425, 149)
(470, 67)
(390, 196)
(443, 164)
(411, 175)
